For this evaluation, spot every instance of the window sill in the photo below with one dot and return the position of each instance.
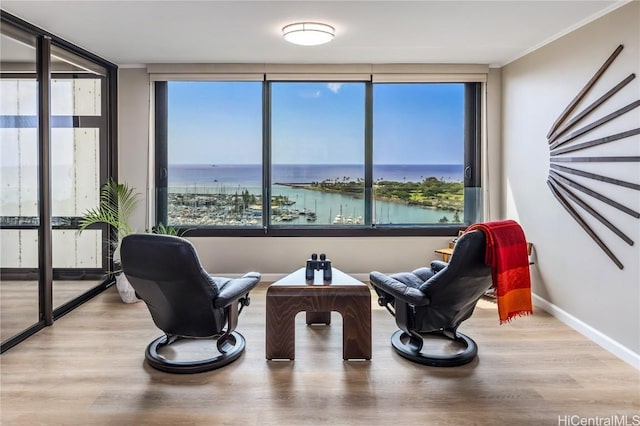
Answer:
(333, 231)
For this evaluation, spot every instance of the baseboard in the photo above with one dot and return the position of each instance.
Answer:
(617, 349)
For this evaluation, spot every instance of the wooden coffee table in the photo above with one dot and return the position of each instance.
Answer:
(291, 295)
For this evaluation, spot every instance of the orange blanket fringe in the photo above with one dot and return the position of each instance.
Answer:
(507, 254)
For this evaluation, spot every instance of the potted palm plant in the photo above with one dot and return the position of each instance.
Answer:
(117, 202)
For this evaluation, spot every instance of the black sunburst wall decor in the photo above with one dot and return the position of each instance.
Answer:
(567, 137)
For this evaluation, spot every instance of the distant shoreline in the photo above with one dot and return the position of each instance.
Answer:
(452, 206)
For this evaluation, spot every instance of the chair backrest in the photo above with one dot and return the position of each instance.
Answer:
(455, 290)
(167, 275)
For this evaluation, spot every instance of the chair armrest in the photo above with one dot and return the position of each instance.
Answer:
(438, 265)
(235, 288)
(398, 290)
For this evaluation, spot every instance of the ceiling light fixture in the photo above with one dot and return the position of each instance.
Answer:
(308, 33)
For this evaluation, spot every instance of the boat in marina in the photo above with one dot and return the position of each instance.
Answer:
(347, 220)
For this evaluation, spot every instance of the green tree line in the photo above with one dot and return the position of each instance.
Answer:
(431, 192)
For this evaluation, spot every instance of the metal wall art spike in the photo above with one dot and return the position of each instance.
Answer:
(569, 109)
(594, 176)
(591, 108)
(595, 142)
(595, 194)
(564, 203)
(562, 132)
(593, 212)
(589, 127)
(613, 159)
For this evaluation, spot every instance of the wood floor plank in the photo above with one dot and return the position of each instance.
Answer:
(88, 369)
(19, 302)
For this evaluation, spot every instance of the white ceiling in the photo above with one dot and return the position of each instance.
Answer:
(173, 31)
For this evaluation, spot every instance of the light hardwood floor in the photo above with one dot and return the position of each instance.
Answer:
(88, 369)
(19, 302)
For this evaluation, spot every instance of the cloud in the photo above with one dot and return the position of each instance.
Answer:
(310, 94)
(335, 87)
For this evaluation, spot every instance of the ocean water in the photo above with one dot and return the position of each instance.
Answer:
(227, 179)
(212, 175)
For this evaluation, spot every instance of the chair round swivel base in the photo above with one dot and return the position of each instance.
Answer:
(234, 347)
(403, 346)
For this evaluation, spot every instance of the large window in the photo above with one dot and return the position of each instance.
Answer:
(318, 157)
(317, 153)
(418, 153)
(214, 154)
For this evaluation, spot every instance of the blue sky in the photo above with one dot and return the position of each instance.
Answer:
(315, 123)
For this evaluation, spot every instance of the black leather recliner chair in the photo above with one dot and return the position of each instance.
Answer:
(434, 301)
(184, 300)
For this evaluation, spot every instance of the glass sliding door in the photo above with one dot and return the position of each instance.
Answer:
(78, 130)
(19, 174)
(57, 146)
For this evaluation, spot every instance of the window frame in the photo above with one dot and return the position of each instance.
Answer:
(471, 166)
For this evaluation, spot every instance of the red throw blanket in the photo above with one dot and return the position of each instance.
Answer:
(509, 260)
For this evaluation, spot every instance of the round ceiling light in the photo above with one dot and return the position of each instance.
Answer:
(308, 33)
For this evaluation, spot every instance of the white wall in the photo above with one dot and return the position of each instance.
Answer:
(133, 137)
(276, 256)
(492, 148)
(571, 271)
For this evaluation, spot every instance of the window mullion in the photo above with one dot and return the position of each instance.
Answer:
(161, 154)
(45, 244)
(472, 156)
(266, 156)
(368, 155)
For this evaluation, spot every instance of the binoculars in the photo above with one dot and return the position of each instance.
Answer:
(314, 264)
